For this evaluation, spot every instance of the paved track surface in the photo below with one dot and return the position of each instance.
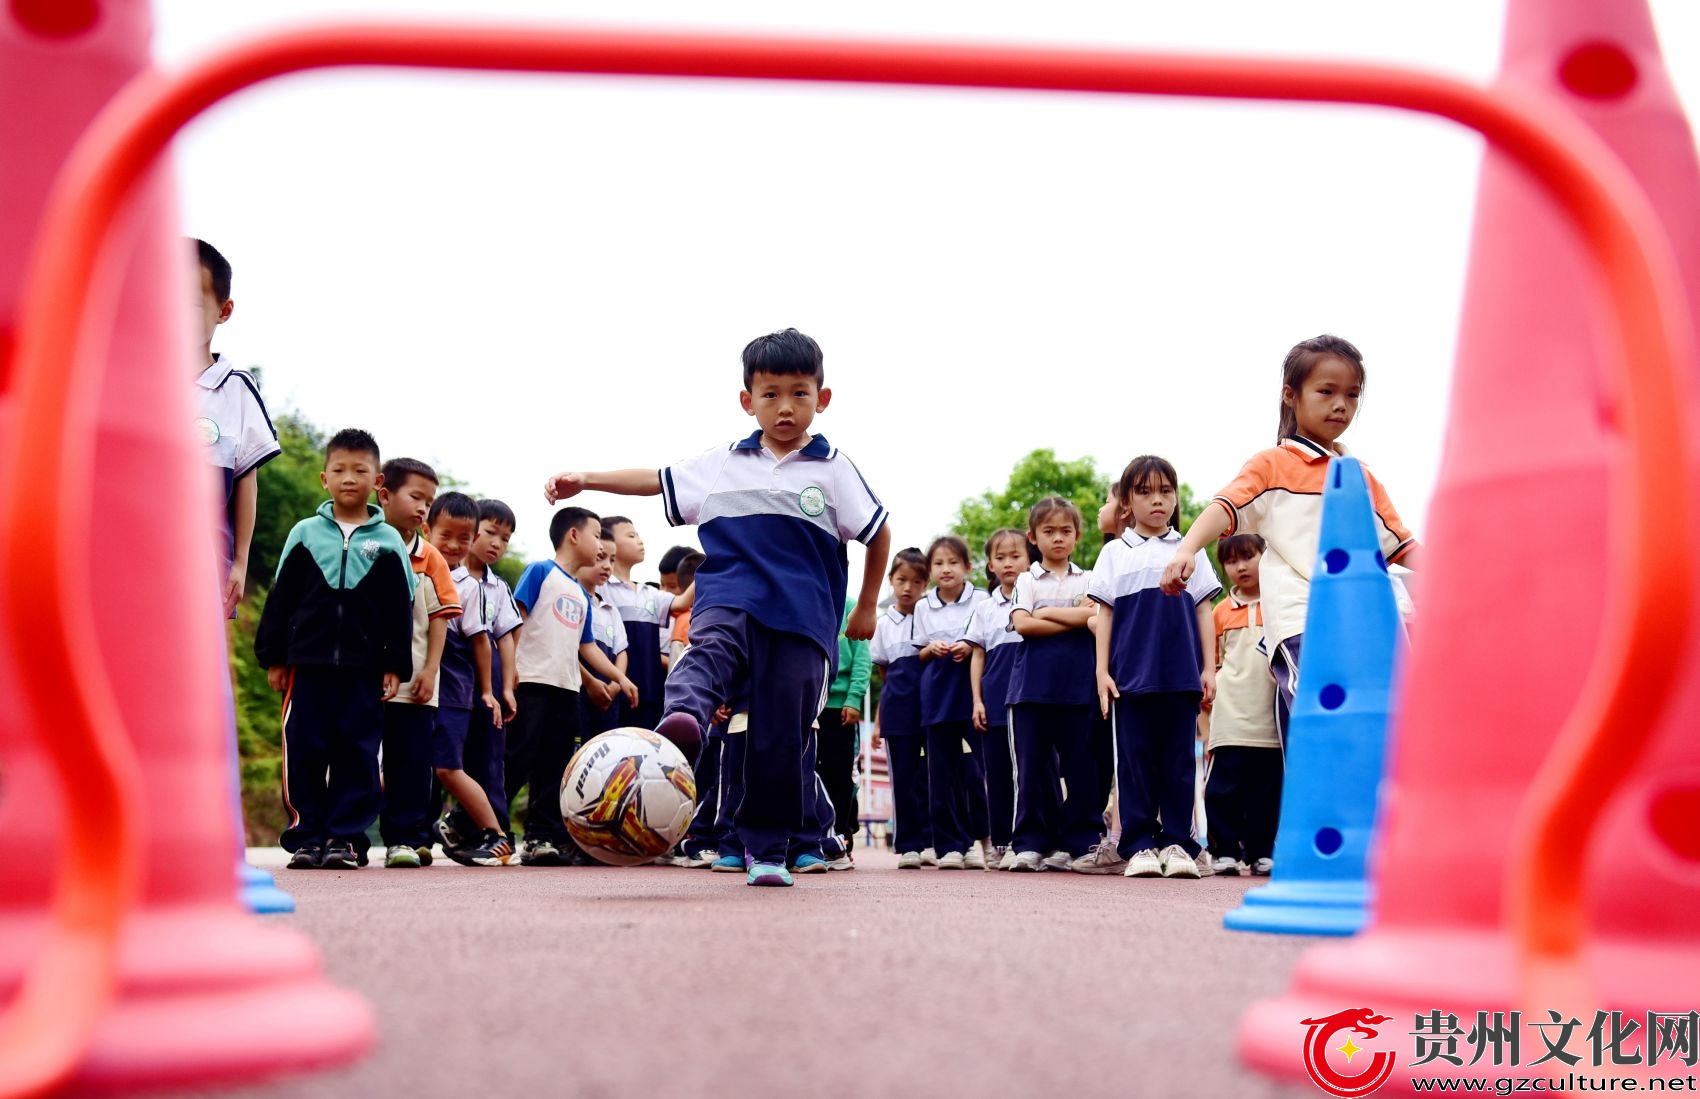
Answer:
(658, 982)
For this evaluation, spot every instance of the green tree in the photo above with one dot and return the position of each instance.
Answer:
(1036, 476)
(1042, 474)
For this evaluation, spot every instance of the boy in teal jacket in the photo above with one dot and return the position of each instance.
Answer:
(336, 638)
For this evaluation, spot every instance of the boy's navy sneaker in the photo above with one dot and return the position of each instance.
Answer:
(493, 850)
(682, 729)
(809, 864)
(308, 857)
(340, 856)
(768, 873)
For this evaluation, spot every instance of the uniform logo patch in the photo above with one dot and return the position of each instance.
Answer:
(812, 500)
(370, 550)
(207, 431)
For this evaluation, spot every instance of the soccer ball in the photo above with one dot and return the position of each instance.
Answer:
(627, 796)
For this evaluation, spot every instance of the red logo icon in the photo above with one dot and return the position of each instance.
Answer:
(1326, 1076)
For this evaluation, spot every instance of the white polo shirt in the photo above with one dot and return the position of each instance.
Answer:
(234, 431)
(773, 531)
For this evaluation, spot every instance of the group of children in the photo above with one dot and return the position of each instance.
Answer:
(1011, 717)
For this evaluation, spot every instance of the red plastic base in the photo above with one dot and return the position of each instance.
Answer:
(1404, 975)
(207, 994)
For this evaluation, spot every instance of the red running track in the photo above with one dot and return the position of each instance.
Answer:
(658, 982)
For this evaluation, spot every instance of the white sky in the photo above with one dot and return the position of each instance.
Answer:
(509, 276)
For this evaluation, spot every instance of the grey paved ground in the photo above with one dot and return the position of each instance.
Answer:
(661, 982)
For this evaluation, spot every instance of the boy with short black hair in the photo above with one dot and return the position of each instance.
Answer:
(232, 424)
(600, 699)
(452, 525)
(558, 635)
(1243, 768)
(406, 493)
(335, 638)
(775, 511)
(646, 612)
(486, 738)
(669, 568)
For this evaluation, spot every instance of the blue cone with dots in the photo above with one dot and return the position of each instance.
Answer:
(1337, 738)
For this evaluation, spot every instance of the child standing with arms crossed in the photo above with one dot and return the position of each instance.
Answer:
(989, 668)
(774, 511)
(897, 722)
(956, 767)
(1278, 494)
(1051, 695)
(1156, 660)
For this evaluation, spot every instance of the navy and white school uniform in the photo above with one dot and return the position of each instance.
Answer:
(770, 596)
(457, 680)
(1053, 695)
(1156, 660)
(237, 436)
(647, 616)
(893, 651)
(610, 636)
(484, 757)
(956, 768)
(988, 630)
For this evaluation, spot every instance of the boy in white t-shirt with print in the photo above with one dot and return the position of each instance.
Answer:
(558, 634)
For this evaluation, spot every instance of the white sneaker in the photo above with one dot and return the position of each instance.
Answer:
(1102, 859)
(1262, 868)
(909, 860)
(929, 857)
(1058, 860)
(1027, 862)
(975, 859)
(1144, 864)
(1009, 857)
(1177, 863)
(952, 860)
(842, 862)
(1230, 866)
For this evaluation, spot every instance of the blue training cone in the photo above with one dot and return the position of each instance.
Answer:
(1337, 739)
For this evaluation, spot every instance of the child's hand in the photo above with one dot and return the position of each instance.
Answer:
(960, 651)
(422, 688)
(563, 486)
(861, 624)
(233, 585)
(851, 716)
(277, 678)
(980, 716)
(489, 700)
(629, 689)
(1106, 691)
(878, 742)
(723, 714)
(392, 684)
(1176, 573)
(1208, 682)
(601, 694)
(510, 702)
(939, 648)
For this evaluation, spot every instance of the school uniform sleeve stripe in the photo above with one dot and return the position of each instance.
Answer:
(669, 502)
(873, 527)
